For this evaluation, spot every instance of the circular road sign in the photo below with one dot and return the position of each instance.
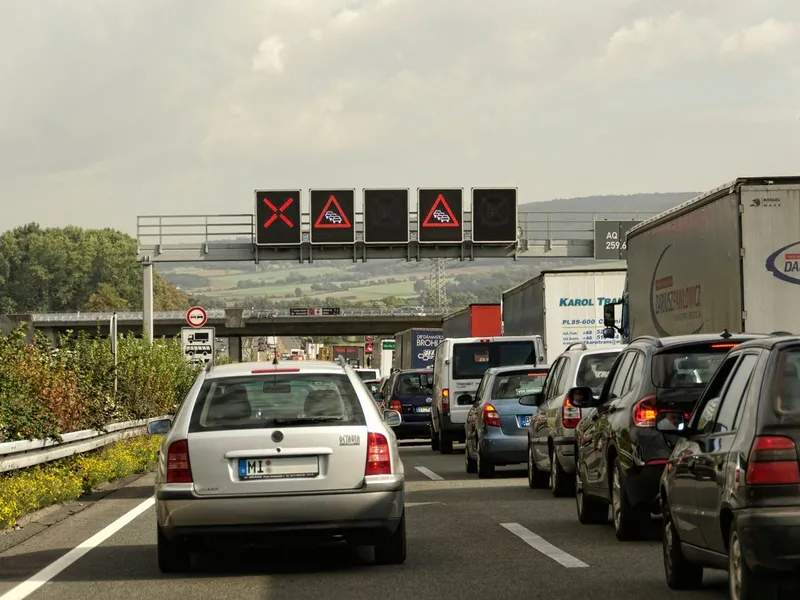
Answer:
(368, 349)
(196, 316)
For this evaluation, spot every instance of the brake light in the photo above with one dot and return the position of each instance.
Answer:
(644, 412)
(773, 461)
(396, 405)
(445, 399)
(719, 346)
(379, 459)
(570, 415)
(267, 371)
(179, 470)
(490, 416)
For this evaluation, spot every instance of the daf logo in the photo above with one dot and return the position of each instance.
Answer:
(429, 400)
(277, 437)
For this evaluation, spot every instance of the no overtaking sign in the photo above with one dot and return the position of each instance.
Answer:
(196, 316)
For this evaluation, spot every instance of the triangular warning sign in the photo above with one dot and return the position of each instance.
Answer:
(332, 216)
(440, 215)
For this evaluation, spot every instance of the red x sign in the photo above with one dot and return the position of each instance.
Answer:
(278, 212)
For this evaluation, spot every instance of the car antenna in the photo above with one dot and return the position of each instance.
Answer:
(726, 334)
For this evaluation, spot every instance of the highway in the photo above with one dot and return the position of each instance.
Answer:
(467, 538)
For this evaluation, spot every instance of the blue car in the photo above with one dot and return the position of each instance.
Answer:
(410, 392)
(496, 429)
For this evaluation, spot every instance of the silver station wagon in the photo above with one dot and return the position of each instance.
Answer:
(257, 451)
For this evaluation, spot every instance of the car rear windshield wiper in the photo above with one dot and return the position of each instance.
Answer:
(300, 420)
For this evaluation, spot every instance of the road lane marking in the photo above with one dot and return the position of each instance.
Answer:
(26, 588)
(425, 471)
(538, 543)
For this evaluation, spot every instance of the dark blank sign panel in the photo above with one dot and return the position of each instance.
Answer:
(386, 216)
(494, 215)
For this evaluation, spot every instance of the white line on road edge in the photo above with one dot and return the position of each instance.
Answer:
(425, 471)
(26, 588)
(542, 545)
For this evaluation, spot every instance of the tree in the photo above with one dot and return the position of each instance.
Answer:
(298, 292)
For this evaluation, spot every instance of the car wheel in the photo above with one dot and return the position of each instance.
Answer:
(744, 583)
(445, 445)
(391, 548)
(561, 484)
(536, 479)
(630, 522)
(173, 556)
(680, 573)
(485, 468)
(591, 511)
(470, 464)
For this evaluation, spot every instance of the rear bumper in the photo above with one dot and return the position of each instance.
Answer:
(412, 430)
(505, 449)
(770, 538)
(642, 484)
(181, 513)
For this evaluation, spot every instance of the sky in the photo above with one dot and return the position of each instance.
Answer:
(118, 108)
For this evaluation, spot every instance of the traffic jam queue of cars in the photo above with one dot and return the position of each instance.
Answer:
(699, 433)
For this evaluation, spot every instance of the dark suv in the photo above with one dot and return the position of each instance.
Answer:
(730, 493)
(620, 454)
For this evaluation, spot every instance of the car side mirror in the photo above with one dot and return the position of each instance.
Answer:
(672, 421)
(392, 418)
(530, 400)
(609, 316)
(476, 404)
(159, 426)
(581, 397)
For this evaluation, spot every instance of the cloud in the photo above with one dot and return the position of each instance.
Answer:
(269, 55)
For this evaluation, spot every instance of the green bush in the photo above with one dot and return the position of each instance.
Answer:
(46, 391)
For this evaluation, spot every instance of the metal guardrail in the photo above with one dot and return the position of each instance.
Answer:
(219, 314)
(28, 453)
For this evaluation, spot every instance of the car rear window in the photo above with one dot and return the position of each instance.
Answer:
(516, 384)
(688, 366)
(472, 360)
(284, 400)
(593, 370)
(367, 375)
(787, 383)
(414, 384)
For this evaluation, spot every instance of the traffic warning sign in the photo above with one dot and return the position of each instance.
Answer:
(441, 212)
(332, 214)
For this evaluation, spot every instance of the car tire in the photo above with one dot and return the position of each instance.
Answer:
(536, 479)
(630, 522)
(743, 582)
(485, 468)
(470, 464)
(434, 440)
(561, 483)
(173, 556)
(391, 548)
(591, 511)
(679, 572)
(445, 445)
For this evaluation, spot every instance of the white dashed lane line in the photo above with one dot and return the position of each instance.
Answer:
(539, 543)
(429, 474)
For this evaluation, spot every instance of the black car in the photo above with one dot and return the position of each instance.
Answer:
(620, 454)
(410, 392)
(730, 493)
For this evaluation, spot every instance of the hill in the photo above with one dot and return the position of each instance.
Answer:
(330, 282)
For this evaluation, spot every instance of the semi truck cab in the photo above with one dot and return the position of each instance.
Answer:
(610, 317)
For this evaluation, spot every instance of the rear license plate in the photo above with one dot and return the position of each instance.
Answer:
(423, 409)
(525, 421)
(288, 467)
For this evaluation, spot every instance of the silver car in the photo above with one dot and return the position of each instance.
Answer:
(277, 449)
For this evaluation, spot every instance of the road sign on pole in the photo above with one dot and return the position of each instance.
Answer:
(367, 348)
(387, 344)
(386, 216)
(494, 215)
(441, 213)
(277, 217)
(609, 239)
(199, 344)
(196, 316)
(332, 216)
(369, 338)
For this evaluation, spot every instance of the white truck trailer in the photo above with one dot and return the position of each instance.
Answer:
(727, 259)
(564, 306)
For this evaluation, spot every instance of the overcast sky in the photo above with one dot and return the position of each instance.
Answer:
(114, 108)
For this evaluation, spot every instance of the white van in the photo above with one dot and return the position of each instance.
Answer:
(458, 367)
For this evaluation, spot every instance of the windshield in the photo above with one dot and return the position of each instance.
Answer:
(688, 366)
(470, 361)
(517, 384)
(787, 382)
(268, 400)
(593, 370)
(414, 384)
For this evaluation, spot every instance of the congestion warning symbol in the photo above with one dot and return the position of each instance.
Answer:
(332, 216)
(440, 215)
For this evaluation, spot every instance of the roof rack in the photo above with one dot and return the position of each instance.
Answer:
(580, 345)
(649, 338)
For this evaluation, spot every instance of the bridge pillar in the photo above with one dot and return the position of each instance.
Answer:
(147, 304)
(235, 348)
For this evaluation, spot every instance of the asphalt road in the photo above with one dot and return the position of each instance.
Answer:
(467, 538)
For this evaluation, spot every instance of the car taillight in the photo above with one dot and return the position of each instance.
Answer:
(773, 461)
(644, 412)
(396, 405)
(445, 399)
(379, 459)
(490, 416)
(570, 415)
(178, 468)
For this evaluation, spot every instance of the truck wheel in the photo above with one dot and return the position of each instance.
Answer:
(434, 440)
(445, 445)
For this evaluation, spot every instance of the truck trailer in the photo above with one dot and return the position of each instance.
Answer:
(476, 320)
(564, 306)
(727, 259)
(414, 348)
